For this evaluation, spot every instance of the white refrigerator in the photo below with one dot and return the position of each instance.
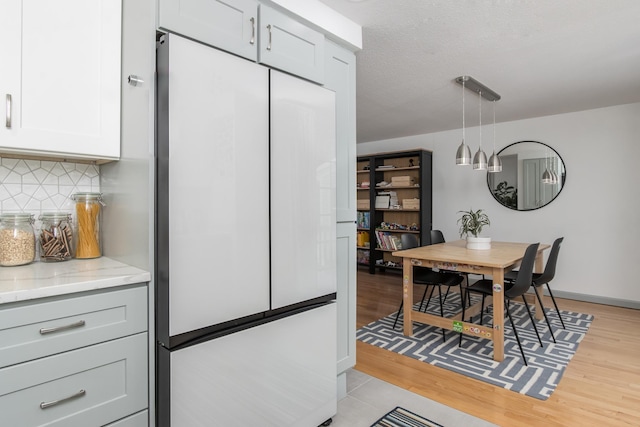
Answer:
(246, 243)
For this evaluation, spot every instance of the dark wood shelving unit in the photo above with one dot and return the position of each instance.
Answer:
(416, 164)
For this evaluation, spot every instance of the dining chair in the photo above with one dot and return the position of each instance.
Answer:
(511, 291)
(427, 277)
(540, 279)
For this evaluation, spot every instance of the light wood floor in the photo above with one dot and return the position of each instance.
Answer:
(600, 387)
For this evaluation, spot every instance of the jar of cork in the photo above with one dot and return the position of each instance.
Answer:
(88, 207)
(55, 237)
(17, 239)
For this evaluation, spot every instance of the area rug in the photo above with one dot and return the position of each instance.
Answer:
(400, 417)
(475, 357)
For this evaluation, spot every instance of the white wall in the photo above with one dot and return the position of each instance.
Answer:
(598, 210)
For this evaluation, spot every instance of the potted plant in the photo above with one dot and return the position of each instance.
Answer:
(471, 223)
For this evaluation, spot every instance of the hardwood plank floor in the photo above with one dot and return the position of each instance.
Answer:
(600, 387)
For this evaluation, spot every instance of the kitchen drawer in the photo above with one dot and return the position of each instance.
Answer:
(141, 419)
(28, 330)
(112, 376)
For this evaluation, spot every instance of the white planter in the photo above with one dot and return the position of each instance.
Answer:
(479, 243)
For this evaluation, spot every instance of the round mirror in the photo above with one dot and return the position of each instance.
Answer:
(532, 176)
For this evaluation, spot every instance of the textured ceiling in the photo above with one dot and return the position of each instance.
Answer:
(543, 57)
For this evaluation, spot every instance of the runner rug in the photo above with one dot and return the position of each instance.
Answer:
(400, 417)
(475, 357)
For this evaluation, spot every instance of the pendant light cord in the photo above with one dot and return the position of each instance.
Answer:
(463, 111)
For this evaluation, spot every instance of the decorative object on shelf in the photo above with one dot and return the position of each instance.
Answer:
(480, 158)
(463, 155)
(471, 223)
(519, 185)
(495, 164)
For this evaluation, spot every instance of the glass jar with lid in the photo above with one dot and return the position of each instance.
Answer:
(56, 237)
(17, 239)
(88, 208)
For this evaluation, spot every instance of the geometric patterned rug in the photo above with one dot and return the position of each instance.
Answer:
(400, 417)
(475, 357)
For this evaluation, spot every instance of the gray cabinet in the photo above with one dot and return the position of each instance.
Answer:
(231, 25)
(248, 29)
(290, 46)
(340, 77)
(80, 360)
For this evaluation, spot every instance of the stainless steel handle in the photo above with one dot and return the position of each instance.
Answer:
(79, 323)
(8, 122)
(45, 405)
(269, 44)
(253, 31)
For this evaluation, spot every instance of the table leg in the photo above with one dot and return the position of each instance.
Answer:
(498, 314)
(538, 268)
(407, 295)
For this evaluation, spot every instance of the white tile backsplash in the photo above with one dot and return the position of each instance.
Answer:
(36, 186)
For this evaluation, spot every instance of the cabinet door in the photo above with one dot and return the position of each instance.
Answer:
(290, 46)
(63, 78)
(346, 299)
(341, 78)
(303, 201)
(229, 25)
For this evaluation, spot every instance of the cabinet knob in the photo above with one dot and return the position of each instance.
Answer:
(134, 80)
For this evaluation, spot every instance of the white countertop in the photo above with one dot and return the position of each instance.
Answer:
(45, 279)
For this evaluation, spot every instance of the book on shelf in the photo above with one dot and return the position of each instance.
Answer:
(363, 219)
(362, 256)
(363, 238)
(388, 241)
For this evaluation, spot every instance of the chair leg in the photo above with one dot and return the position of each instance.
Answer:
(556, 306)
(444, 338)
(426, 306)
(426, 288)
(398, 313)
(515, 332)
(533, 321)
(462, 318)
(535, 289)
(482, 309)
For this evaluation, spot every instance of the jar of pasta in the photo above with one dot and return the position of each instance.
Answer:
(55, 237)
(88, 208)
(17, 239)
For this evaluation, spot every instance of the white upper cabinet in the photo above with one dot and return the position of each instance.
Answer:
(230, 25)
(290, 46)
(60, 78)
(248, 29)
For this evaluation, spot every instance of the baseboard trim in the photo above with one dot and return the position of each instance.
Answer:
(617, 302)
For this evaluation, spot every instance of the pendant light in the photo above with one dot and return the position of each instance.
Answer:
(463, 155)
(495, 164)
(480, 159)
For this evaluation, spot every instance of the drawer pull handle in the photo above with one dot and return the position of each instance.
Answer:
(269, 44)
(8, 112)
(79, 323)
(253, 31)
(45, 405)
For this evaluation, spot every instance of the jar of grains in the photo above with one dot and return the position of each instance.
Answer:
(56, 237)
(17, 239)
(88, 209)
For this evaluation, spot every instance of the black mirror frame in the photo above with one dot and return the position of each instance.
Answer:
(562, 177)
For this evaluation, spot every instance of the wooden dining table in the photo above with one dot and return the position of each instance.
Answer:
(454, 256)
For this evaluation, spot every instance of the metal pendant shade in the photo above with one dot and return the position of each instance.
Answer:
(546, 177)
(463, 156)
(494, 165)
(480, 159)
